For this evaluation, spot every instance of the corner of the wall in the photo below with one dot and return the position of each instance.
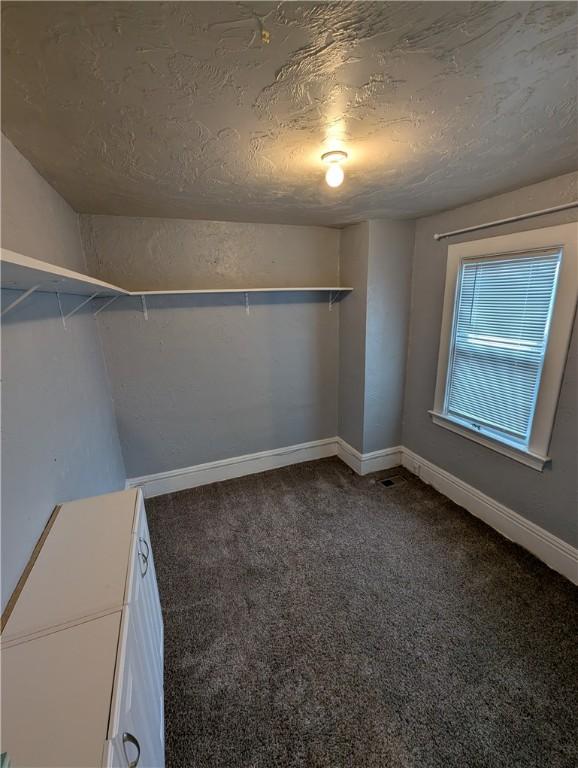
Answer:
(366, 463)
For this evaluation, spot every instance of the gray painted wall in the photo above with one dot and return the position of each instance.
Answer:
(158, 254)
(201, 380)
(354, 254)
(548, 499)
(376, 259)
(36, 221)
(59, 439)
(388, 297)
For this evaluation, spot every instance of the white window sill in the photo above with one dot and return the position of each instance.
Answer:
(518, 454)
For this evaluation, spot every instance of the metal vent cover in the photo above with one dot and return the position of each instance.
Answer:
(388, 482)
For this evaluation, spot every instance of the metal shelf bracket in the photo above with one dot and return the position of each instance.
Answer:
(144, 307)
(17, 301)
(61, 312)
(79, 306)
(106, 304)
(333, 298)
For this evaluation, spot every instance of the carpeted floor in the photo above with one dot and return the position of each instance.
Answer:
(315, 618)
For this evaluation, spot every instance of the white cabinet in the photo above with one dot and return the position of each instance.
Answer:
(56, 695)
(82, 651)
(137, 722)
(81, 570)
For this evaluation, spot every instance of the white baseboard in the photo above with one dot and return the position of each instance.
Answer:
(226, 469)
(364, 463)
(557, 554)
(250, 464)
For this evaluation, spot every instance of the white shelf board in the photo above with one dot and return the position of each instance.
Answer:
(310, 289)
(22, 273)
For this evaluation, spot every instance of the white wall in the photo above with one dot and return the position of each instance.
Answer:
(59, 438)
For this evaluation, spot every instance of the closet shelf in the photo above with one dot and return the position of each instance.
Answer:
(23, 273)
(311, 289)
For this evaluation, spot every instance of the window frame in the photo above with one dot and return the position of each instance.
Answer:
(563, 238)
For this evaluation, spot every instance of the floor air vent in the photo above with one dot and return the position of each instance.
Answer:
(387, 482)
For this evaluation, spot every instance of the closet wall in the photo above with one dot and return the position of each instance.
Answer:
(59, 438)
(201, 379)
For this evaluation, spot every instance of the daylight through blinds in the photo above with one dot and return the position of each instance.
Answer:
(501, 323)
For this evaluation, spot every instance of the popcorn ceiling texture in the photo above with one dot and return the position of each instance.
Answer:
(222, 110)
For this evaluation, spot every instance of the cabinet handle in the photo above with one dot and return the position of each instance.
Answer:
(145, 542)
(128, 738)
(144, 565)
(145, 558)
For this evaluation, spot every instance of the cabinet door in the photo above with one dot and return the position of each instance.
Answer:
(137, 729)
(137, 726)
(153, 602)
(149, 612)
(150, 627)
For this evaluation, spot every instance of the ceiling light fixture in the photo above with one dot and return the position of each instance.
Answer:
(334, 175)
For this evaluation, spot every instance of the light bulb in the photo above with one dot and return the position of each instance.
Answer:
(334, 175)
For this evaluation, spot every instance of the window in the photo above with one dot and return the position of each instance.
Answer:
(501, 323)
(508, 315)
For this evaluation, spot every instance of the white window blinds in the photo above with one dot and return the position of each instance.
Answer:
(501, 322)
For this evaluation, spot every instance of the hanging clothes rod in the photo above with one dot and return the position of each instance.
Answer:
(521, 217)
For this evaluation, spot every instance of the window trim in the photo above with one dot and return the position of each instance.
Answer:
(564, 238)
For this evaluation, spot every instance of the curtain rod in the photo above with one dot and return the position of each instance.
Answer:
(521, 217)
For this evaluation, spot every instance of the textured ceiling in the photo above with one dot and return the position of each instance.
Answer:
(222, 110)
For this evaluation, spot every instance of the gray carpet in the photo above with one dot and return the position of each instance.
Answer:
(314, 618)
